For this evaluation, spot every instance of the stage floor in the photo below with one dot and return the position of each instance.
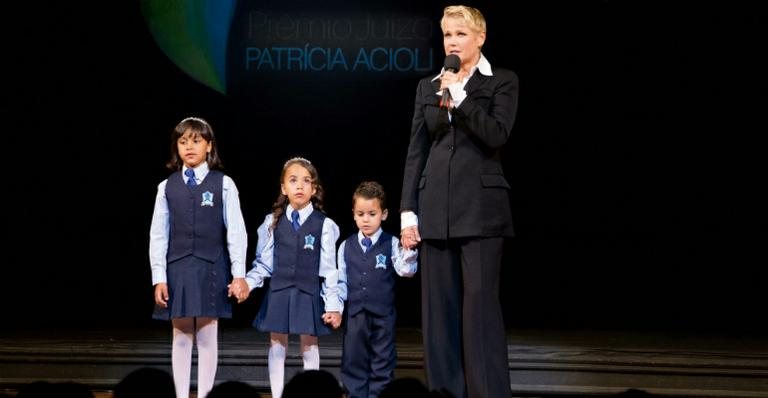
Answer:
(541, 362)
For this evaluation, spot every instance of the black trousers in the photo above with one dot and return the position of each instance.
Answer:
(369, 356)
(465, 348)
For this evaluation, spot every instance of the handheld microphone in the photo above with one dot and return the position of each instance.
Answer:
(452, 63)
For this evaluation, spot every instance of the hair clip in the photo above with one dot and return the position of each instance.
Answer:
(197, 119)
(296, 159)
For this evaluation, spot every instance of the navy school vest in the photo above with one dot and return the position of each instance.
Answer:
(196, 217)
(297, 254)
(370, 276)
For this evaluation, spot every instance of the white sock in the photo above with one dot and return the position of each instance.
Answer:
(276, 365)
(207, 356)
(311, 356)
(181, 360)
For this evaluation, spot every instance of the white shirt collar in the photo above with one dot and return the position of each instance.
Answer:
(200, 171)
(374, 238)
(482, 65)
(303, 213)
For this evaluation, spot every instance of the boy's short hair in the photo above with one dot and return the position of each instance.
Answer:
(370, 190)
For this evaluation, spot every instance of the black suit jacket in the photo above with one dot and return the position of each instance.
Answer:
(453, 175)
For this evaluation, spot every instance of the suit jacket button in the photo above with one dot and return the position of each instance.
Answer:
(450, 148)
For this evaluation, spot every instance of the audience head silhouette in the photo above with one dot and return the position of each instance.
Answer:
(634, 393)
(313, 383)
(144, 383)
(233, 389)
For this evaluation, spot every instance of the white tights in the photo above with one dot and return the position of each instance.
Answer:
(187, 331)
(310, 353)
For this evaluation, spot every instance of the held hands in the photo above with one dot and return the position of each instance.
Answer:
(239, 289)
(332, 318)
(409, 237)
(161, 294)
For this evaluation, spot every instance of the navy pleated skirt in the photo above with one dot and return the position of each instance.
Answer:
(197, 288)
(291, 311)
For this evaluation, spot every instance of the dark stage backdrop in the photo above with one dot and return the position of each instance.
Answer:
(636, 173)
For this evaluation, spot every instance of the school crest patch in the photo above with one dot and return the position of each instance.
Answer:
(381, 261)
(207, 199)
(309, 242)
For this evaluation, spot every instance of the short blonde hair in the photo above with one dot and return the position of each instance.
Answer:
(472, 16)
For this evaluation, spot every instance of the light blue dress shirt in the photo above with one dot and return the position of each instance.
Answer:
(159, 231)
(404, 261)
(265, 254)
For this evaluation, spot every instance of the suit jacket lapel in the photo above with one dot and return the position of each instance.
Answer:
(442, 123)
(435, 89)
(474, 82)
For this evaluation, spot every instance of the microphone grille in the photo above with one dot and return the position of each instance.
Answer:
(452, 63)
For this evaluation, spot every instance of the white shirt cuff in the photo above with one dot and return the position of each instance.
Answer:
(408, 219)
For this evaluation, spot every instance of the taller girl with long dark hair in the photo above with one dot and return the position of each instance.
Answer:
(197, 246)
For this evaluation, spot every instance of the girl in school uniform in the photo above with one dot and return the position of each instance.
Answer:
(197, 248)
(296, 250)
